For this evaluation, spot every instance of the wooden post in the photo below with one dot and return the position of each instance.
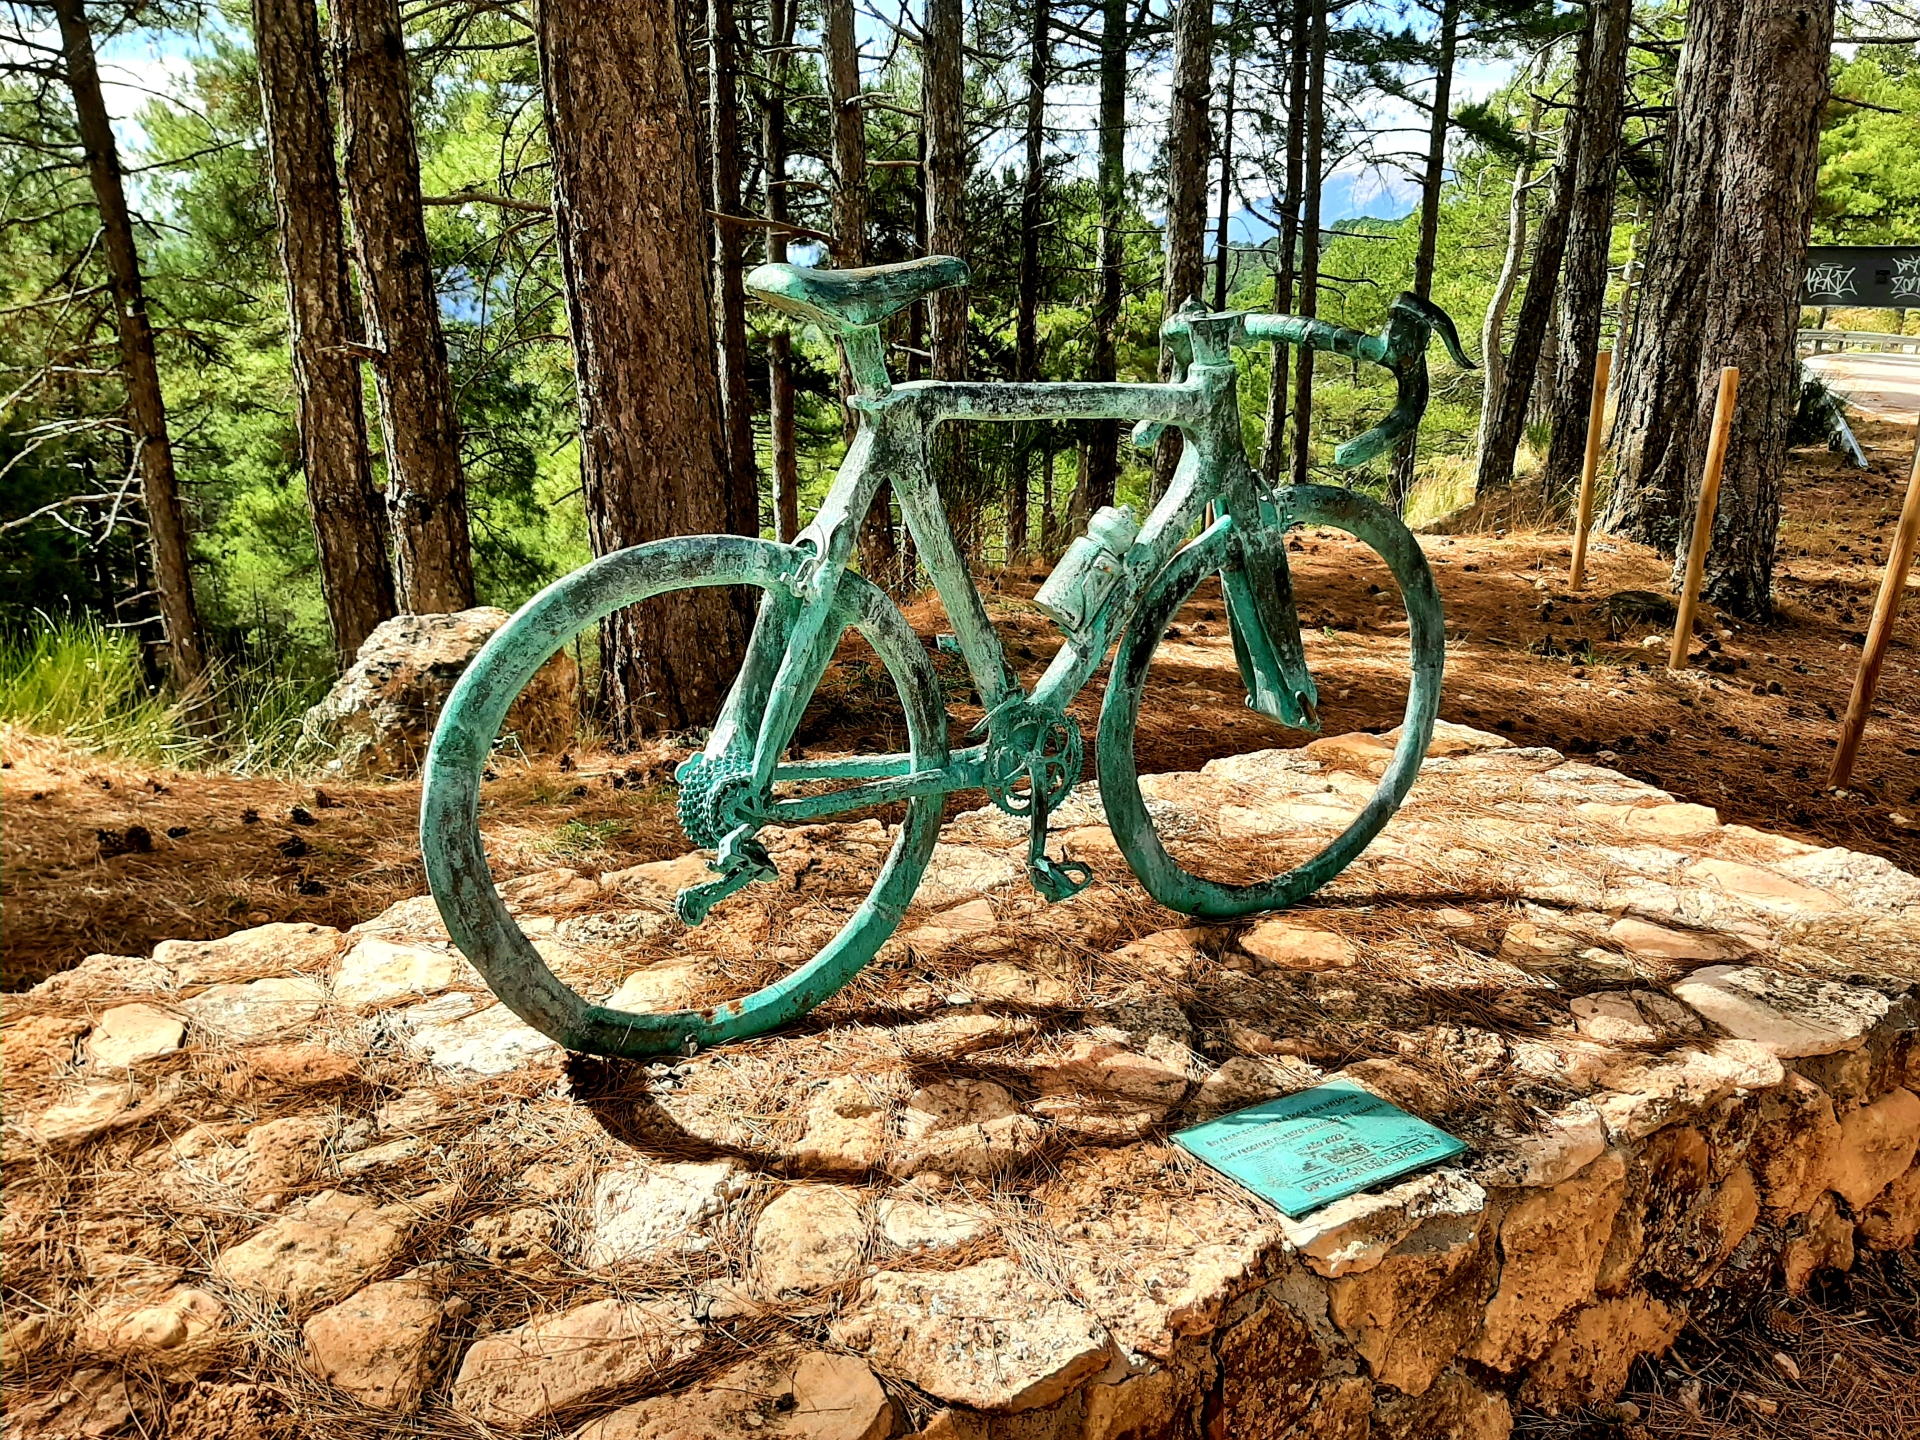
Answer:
(1596, 423)
(1886, 610)
(1703, 519)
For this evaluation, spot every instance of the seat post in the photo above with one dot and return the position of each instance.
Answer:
(867, 361)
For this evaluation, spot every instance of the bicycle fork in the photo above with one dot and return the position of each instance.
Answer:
(1261, 615)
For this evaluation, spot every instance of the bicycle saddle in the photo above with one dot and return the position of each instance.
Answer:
(840, 299)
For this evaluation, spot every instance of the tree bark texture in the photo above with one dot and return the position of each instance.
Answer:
(348, 526)
(166, 521)
(1026, 339)
(1222, 243)
(1400, 477)
(879, 555)
(1100, 450)
(1769, 171)
(944, 172)
(1509, 423)
(426, 485)
(1311, 178)
(1493, 354)
(943, 75)
(729, 277)
(1583, 280)
(1185, 275)
(631, 225)
(780, 388)
(1653, 434)
(1273, 443)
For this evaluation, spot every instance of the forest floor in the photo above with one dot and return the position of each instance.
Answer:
(101, 855)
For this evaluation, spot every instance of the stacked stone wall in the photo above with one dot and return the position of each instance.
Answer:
(318, 1181)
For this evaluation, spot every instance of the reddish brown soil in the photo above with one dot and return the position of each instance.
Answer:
(1753, 740)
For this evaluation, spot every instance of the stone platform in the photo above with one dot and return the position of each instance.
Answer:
(319, 1180)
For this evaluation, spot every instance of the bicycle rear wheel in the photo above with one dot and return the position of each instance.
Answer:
(1168, 880)
(455, 852)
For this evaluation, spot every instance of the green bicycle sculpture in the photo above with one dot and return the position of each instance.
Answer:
(1121, 581)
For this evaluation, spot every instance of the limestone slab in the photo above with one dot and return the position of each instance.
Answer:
(1566, 1142)
(813, 1396)
(846, 1128)
(1645, 1094)
(989, 1337)
(128, 1035)
(1877, 1143)
(964, 1127)
(1551, 1244)
(1290, 945)
(1409, 1315)
(1590, 1356)
(1356, 1233)
(377, 971)
(644, 1207)
(1787, 1015)
(279, 949)
(246, 1014)
(808, 1238)
(378, 1345)
(322, 1252)
(1631, 1017)
(517, 1377)
(492, 1041)
(1891, 1221)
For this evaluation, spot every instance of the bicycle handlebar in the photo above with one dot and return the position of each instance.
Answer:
(1400, 347)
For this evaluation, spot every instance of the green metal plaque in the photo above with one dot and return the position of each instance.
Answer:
(1310, 1148)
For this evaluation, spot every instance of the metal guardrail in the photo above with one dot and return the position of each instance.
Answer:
(1820, 341)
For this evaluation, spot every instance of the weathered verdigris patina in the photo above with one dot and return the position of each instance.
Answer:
(1122, 581)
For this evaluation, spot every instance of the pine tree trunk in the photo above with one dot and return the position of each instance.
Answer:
(1273, 442)
(1653, 434)
(1311, 178)
(1100, 446)
(348, 526)
(1503, 435)
(942, 75)
(1433, 179)
(1400, 477)
(1186, 267)
(1026, 342)
(630, 220)
(1493, 331)
(1769, 173)
(879, 554)
(780, 390)
(166, 521)
(729, 287)
(1583, 284)
(1222, 245)
(946, 180)
(426, 486)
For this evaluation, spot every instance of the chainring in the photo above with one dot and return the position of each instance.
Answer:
(1037, 743)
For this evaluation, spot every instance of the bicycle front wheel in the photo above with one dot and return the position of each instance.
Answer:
(1165, 876)
(455, 851)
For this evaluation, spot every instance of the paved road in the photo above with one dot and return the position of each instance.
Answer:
(1882, 385)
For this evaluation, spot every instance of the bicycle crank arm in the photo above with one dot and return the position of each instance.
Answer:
(1056, 880)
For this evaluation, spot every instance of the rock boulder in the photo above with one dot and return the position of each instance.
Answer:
(379, 716)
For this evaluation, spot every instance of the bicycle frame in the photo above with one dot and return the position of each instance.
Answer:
(793, 641)
(1124, 585)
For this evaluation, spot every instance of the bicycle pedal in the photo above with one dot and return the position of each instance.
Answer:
(1059, 880)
